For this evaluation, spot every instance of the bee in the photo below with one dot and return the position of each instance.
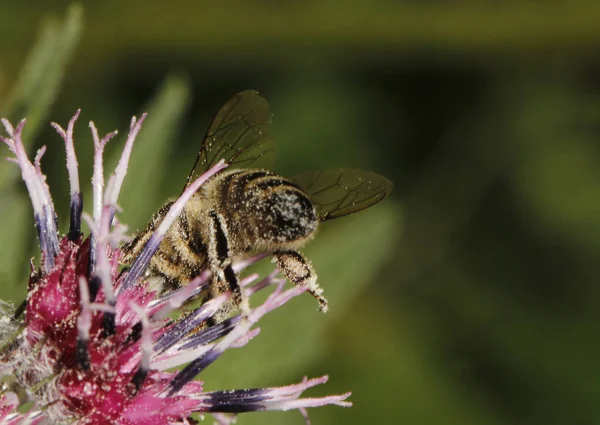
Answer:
(245, 209)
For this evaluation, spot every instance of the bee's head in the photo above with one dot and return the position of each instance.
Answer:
(287, 218)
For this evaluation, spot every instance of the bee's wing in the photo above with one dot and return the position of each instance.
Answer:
(339, 192)
(239, 134)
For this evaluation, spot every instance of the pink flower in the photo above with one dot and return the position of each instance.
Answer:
(93, 344)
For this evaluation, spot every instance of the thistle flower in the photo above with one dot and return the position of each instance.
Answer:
(93, 344)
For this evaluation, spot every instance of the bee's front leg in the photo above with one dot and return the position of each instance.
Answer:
(298, 270)
(224, 277)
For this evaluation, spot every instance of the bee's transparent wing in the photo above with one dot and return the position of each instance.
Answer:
(339, 192)
(239, 134)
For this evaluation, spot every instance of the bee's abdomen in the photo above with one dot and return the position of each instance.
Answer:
(271, 207)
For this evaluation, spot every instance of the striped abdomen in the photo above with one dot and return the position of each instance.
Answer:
(266, 211)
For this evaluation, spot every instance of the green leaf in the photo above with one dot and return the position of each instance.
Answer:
(41, 76)
(149, 165)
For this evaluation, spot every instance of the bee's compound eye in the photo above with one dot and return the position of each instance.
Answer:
(289, 216)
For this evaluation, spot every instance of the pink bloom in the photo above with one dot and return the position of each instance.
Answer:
(93, 344)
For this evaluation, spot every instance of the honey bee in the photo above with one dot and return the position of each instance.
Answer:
(245, 209)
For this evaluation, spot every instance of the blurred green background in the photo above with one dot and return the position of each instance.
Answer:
(468, 297)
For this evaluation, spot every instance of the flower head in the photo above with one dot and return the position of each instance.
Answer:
(93, 343)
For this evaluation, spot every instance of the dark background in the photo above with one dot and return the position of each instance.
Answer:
(468, 297)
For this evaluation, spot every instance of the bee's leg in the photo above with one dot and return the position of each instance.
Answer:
(298, 270)
(224, 276)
